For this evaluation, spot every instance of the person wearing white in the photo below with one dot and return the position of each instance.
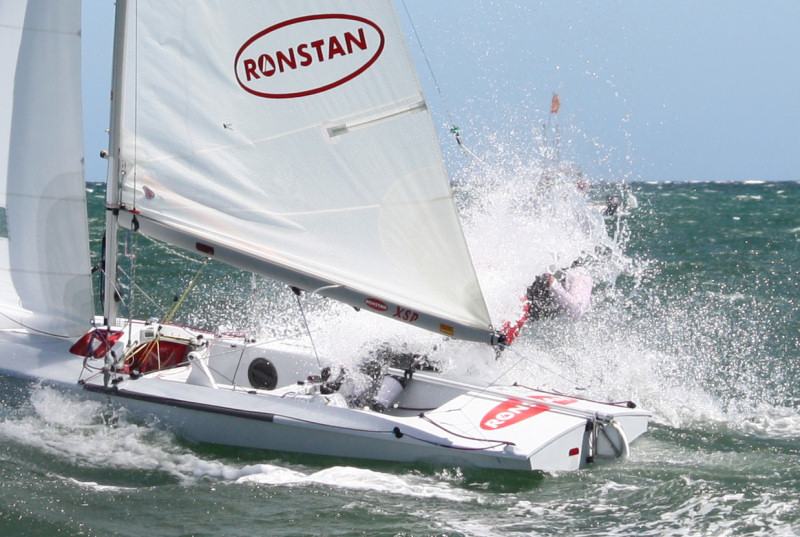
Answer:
(574, 297)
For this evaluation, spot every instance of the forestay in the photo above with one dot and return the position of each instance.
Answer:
(44, 248)
(291, 138)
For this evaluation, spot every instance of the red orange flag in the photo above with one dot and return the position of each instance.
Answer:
(555, 105)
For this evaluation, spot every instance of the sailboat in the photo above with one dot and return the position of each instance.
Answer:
(290, 139)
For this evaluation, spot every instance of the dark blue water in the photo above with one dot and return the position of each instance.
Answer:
(695, 316)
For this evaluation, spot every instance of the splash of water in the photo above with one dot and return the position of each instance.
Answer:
(523, 215)
(90, 434)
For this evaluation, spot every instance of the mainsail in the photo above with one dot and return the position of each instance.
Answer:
(291, 138)
(44, 250)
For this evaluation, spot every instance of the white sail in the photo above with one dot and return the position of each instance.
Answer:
(291, 138)
(44, 250)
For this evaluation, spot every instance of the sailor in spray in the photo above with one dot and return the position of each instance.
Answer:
(548, 297)
(574, 296)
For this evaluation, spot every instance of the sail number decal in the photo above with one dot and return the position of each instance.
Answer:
(307, 55)
(513, 411)
(405, 315)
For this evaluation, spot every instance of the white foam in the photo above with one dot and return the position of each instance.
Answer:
(87, 433)
(770, 421)
(92, 485)
(357, 479)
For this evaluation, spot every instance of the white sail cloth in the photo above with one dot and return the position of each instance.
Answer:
(45, 282)
(291, 138)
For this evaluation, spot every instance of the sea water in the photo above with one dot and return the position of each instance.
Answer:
(695, 317)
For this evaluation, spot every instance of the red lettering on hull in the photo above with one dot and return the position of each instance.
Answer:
(513, 411)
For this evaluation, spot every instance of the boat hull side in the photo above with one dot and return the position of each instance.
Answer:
(278, 432)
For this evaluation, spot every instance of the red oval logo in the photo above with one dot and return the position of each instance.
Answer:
(307, 55)
(376, 304)
(513, 411)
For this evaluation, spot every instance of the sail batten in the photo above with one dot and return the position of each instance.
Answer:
(338, 130)
(296, 144)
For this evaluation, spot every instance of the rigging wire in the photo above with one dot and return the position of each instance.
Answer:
(455, 130)
(154, 344)
(186, 292)
(32, 328)
(134, 285)
(297, 292)
(523, 358)
(135, 105)
(130, 248)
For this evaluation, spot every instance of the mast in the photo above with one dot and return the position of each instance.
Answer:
(115, 168)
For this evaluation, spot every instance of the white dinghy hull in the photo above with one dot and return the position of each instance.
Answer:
(206, 397)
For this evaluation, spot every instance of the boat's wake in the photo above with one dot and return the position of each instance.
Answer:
(62, 436)
(75, 432)
(90, 434)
